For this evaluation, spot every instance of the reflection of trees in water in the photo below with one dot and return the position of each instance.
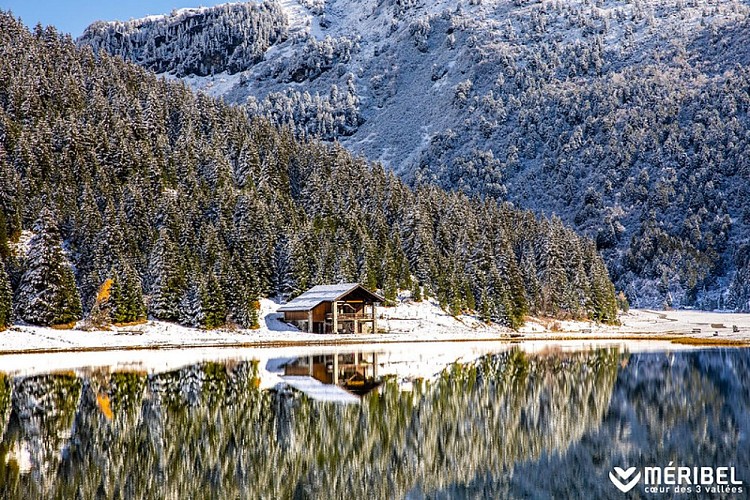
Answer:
(38, 427)
(692, 409)
(208, 431)
(4, 402)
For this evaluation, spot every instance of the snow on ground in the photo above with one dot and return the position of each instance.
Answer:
(406, 322)
(699, 324)
(299, 18)
(427, 316)
(422, 341)
(413, 322)
(213, 85)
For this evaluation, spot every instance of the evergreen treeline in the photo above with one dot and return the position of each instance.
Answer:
(230, 37)
(185, 203)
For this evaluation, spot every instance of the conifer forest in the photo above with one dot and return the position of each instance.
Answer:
(124, 195)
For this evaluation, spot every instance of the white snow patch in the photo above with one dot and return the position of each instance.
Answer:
(216, 86)
(22, 246)
(300, 19)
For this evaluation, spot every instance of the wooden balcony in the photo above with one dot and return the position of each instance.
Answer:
(350, 317)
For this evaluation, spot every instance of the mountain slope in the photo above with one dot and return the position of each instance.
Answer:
(627, 119)
(145, 185)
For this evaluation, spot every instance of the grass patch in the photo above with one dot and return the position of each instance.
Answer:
(64, 326)
(132, 323)
(711, 341)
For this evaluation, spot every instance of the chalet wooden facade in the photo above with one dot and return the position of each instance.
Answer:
(344, 308)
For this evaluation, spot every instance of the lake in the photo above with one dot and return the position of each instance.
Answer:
(464, 420)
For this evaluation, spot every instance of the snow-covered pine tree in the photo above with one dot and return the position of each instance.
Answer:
(554, 279)
(167, 278)
(127, 297)
(390, 286)
(191, 309)
(10, 197)
(6, 299)
(283, 278)
(47, 294)
(416, 290)
(212, 303)
(603, 301)
(4, 247)
(533, 289)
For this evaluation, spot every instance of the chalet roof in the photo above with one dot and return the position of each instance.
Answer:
(325, 293)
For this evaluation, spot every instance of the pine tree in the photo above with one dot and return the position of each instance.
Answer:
(468, 295)
(253, 322)
(532, 288)
(4, 246)
(517, 295)
(127, 297)
(283, 280)
(554, 280)
(390, 286)
(212, 304)
(47, 293)
(167, 278)
(191, 308)
(6, 299)
(416, 291)
(485, 303)
(604, 301)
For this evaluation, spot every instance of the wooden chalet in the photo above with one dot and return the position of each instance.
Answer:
(344, 308)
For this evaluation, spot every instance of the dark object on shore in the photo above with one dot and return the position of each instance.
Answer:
(735, 329)
(716, 334)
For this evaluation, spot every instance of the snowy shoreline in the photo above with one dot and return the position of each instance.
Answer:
(422, 322)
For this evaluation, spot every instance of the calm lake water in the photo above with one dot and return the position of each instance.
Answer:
(507, 424)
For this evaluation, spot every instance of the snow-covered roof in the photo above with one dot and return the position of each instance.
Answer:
(318, 391)
(324, 293)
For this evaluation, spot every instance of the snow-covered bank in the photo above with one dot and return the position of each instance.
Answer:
(417, 322)
(407, 322)
(688, 323)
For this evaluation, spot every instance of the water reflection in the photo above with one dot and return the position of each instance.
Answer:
(510, 424)
(354, 372)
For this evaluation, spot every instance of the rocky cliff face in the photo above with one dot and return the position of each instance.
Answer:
(626, 119)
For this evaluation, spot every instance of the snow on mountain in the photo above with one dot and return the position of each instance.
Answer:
(627, 119)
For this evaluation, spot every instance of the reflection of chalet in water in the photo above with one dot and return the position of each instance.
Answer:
(340, 378)
(356, 372)
(345, 308)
